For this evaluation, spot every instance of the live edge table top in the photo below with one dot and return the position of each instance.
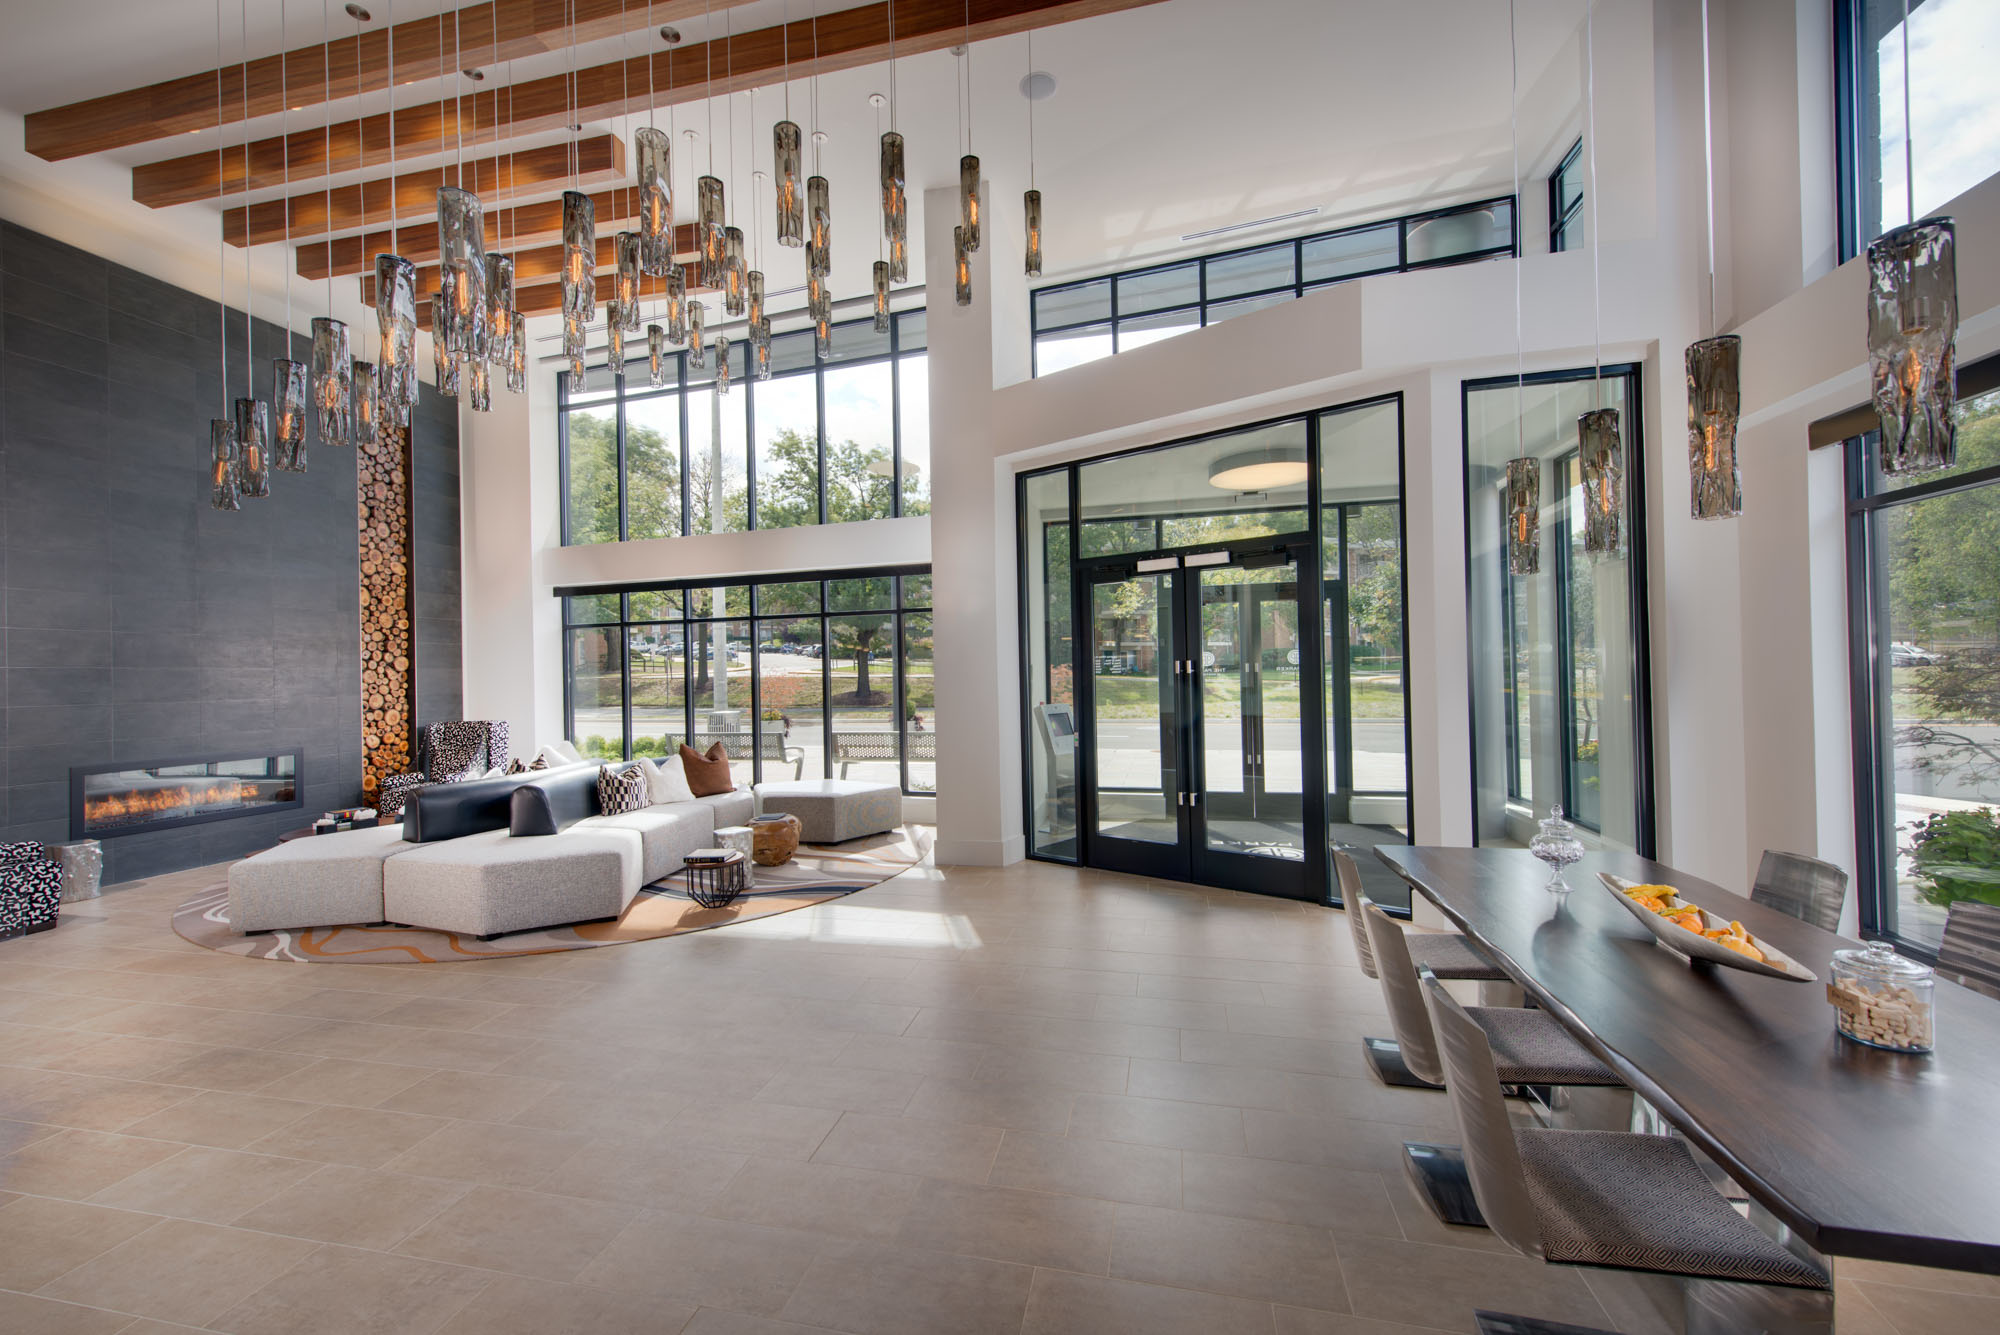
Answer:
(1864, 1153)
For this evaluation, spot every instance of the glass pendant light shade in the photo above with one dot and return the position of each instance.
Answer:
(722, 363)
(478, 386)
(574, 338)
(697, 336)
(614, 341)
(1524, 516)
(1912, 333)
(1601, 459)
(968, 199)
(579, 279)
(499, 309)
(881, 273)
(1031, 209)
(1715, 483)
(654, 152)
(819, 225)
(223, 490)
(288, 402)
(626, 249)
(790, 184)
(367, 403)
(961, 267)
(396, 316)
(677, 305)
(517, 353)
(895, 184)
(333, 382)
(815, 296)
(656, 356)
(735, 276)
(462, 258)
(442, 360)
(760, 350)
(754, 288)
(708, 196)
(899, 255)
(253, 451)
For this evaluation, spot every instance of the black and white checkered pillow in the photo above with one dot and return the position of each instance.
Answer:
(621, 790)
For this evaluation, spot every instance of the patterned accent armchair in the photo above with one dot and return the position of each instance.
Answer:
(30, 890)
(446, 753)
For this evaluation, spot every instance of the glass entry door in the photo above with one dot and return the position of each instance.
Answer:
(1194, 720)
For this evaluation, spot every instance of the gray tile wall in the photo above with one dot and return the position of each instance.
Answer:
(137, 623)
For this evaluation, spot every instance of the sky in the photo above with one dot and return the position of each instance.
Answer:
(1954, 48)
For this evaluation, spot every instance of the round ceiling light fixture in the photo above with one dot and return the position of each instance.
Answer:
(477, 76)
(357, 13)
(1266, 468)
(671, 36)
(1038, 86)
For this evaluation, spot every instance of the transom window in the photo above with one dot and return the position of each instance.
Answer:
(1566, 201)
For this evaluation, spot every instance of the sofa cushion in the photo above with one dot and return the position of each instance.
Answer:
(320, 881)
(453, 810)
(622, 789)
(731, 808)
(707, 773)
(529, 812)
(667, 782)
(491, 883)
(668, 833)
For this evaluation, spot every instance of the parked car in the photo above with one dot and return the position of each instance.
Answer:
(1902, 653)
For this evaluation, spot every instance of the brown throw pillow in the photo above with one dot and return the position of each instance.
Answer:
(707, 775)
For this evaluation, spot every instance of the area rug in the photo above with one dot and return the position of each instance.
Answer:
(817, 874)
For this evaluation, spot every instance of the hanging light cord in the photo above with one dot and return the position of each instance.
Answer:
(221, 238)
(1596, 207)
(1514, 138)
(389, 82)
(326, 134)
(708, 93)
(285, 145)
(966, 38)
(249, 333)
(815, 80)
(892, 71)
(1909, 130)
(1031, 114)
(1708, 159)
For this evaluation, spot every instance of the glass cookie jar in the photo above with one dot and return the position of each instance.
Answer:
(1882, 1000)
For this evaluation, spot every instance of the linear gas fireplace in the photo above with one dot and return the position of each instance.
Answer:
(131, 796)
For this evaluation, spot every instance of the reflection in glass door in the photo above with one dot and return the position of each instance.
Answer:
(1251, 781)
(1134, 732)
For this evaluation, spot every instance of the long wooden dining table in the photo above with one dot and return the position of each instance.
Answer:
(1863, 1153)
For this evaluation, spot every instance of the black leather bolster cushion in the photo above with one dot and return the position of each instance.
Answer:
(440, 811)
(554, 800)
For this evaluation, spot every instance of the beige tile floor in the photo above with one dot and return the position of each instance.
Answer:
(968, 1100)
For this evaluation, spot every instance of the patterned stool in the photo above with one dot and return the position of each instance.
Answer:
(30, 890)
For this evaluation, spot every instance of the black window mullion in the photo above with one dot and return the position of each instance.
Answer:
(749, 452)
(624, 629)
(687, 491)
(624, 529)
(819, 415)
(902, 693)
(825, 685)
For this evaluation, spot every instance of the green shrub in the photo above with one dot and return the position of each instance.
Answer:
(1956, 855)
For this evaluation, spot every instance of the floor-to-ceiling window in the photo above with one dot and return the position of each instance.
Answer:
(827, 676)
(1951, 45)
(820, 442)
(1557, 642)
(1925, 622)
(1213, 672)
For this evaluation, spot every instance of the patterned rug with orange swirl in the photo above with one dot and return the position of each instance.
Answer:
(816, 875)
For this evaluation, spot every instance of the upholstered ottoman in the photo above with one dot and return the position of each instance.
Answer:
(321, 881)
(493, 883)
(832, 811)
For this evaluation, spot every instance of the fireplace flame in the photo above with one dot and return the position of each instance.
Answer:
(160, 802)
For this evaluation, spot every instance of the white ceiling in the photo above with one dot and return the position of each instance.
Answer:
(1167, 119)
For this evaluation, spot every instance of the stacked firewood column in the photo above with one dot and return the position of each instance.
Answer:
(388, 623)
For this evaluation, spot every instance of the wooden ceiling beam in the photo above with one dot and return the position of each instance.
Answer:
(599, 160)
(345, 66)
(523, 226)
(847, 39)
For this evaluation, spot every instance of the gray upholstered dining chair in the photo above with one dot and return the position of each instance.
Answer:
(1531, 1047)
(1970, 953)
(1616, 1200)
(1450, 954)
(1805, 888)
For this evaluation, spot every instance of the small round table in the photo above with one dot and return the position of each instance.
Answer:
(715, 885)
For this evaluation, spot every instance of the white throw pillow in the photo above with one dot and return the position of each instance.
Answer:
(566, 750)
(667, 782)
(497, 772)
(552, 758)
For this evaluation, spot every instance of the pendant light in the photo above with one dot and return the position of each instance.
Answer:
(463, 324)
(879, 272)
(1600, 442)
(721, 363)
(1031, 201)
(697, 334)
(478, 385)
(895, 176)
(677, 282)
(735, 274)
(499, 308)
(656, 356)
(517, 353)
(579, 276)
(1913, 324)
(652, 148)
(968, 166)
(819, 206)
(442, 361)
(253, 447)
(222, 459)
(708, 190)
(332, 363)
(614, 341)
(1524, 516)
(1715, 481)
(395, 289)
(507, 336)
(1522, 493)
(288, 377)
(367, 403)
(788, 185)
(627, 249)
(961, 267)
(757, 324)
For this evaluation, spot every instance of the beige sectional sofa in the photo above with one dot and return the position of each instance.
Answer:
(480, 880)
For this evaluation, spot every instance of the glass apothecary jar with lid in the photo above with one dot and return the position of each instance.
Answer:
(1882, 1000)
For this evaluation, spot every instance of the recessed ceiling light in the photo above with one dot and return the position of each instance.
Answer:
(671, 36)
(877, 100)
(819, 136)
(1038, 86)
(357, 13)
(1267, 468)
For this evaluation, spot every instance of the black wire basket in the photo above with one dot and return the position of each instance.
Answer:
(716, 883)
